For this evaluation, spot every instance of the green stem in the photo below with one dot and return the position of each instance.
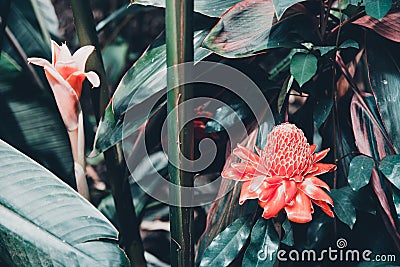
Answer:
(87, 35)
(129, 224)
(179, 37)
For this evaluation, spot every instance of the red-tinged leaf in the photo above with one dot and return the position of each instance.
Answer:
(388, 27)
(371, 142)
(383, 70)
(250, 28)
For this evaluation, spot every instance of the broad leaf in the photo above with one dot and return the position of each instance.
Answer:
(229, 114)
(211, 8)
(226, 246)
(29, 38)
(282, 5)
(288, 236)
(118, 15)
(344, 207)
(250, 28)
(284, 91)
(43, 221)
(264, 244)
(114, 57)
(34, 125)
(349, 43)
(360, 171)
(370, 141)
(322, 109)
(396, 201)
(383, 70)
(145, 81)
(303, 67)
(390, 167)
(386, 27)
(377, 8)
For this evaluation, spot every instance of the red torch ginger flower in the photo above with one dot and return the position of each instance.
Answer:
(283, 175)
(65, 75)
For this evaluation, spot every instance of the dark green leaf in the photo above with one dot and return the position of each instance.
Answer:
(282, 5)
(344, 207)
(226, 246)
(145, 81)
(211, 8)
(264, 244)
(29, 38)
(322, 109)
(118, 15)
(303, 67)
(384, 74)
(364, 200)
(249, 28)
(390, 167)
(360, 171)
(114, 57)
(396, 201)
(284, 91)
(345, 3)
(229, 115)
(324, 49)
(51, 224)
(288, 236)
(34, 125)
(377, 8)
(349, 43)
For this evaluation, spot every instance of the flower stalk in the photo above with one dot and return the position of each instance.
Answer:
(179, 37)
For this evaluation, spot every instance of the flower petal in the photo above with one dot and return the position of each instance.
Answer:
(66, 98)
(325, 207)
(290, 190)
(317, 182)
(256, 183)
(246, 154)
(246, 193)
(300, 211)
(39, 62)
(75, 80)
(64, 54)
(312, 148)
(320, 168)
(93, 78)
(55, 50)
(274, 204)
(81, 55)
(274, 179)
(232, 173)
(314, 192)
(244, 167)
(268, 190)
(320, 155)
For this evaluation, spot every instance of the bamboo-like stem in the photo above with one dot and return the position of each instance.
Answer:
(87, 35)
(179, 37)
(129, 225)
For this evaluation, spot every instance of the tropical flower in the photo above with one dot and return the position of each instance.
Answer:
(283, 175)
(65, 75)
